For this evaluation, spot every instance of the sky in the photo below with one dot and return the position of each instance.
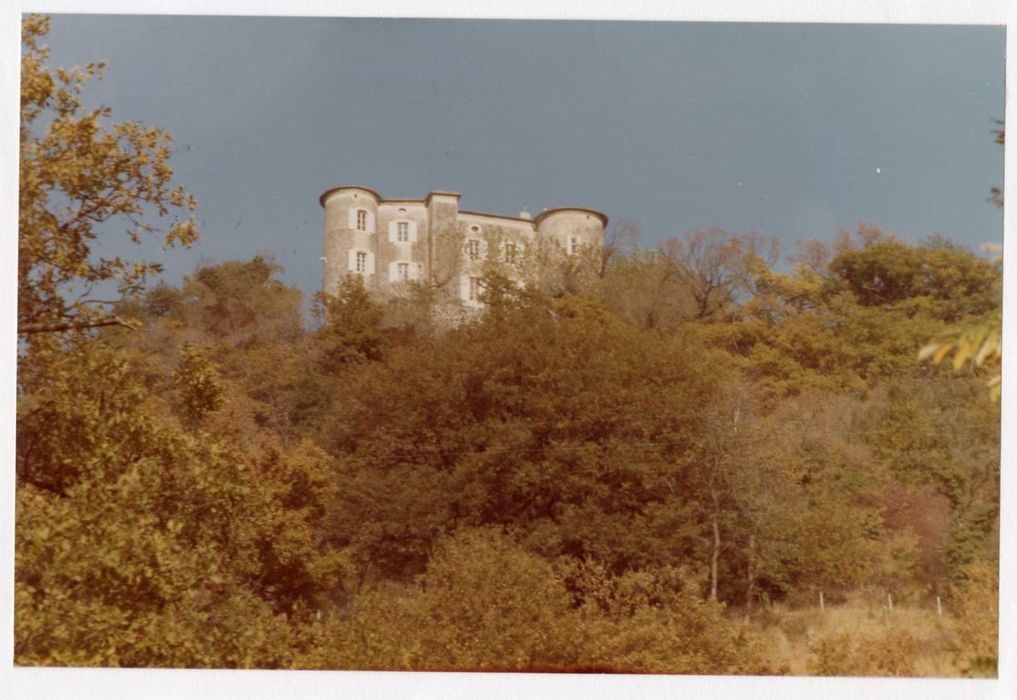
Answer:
(793, 131)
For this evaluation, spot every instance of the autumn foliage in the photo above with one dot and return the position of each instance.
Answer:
(656, 468)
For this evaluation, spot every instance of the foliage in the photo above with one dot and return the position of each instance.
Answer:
(550, 417)
(485, 603)
(139, 545)
(717, 267)
(199, 390)
(891, 654)
(977, 627)
(979, 344)
(628, 461)
(80, 175)
(351, 326)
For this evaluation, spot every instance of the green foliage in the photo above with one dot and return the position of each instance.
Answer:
(943, 435)
(139, 545)
(550, 417)
(351, 326)
(949, 281)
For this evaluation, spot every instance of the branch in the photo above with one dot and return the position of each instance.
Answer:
(30, 328)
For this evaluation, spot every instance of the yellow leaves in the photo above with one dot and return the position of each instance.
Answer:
(979, 344)
(99, 172)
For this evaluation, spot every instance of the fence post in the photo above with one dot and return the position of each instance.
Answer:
(822, 605)
(939, 607)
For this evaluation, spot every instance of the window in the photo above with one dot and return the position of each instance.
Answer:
(361, 220)
(574, 245)
(402, 231)
(473, 249)
(360, 262)
(511, 253)
(405, 271)
(474, 289)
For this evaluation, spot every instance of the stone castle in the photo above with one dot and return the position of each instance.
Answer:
(391, 242)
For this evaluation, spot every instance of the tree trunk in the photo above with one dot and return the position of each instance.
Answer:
(714, 557)
(715, 521)
(750, 589)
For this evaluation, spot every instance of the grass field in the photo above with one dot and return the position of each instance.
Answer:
(863, 637)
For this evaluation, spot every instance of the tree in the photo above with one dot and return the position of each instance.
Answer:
(641, 287)
(552, 416)
(140, 543)
(717, 266)
(79, 176)
(936, 278)
(618, 239)
(979, 343)
(351, 329)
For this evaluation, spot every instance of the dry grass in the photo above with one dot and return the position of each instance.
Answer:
(859, 637)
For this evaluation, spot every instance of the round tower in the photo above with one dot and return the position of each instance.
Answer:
(351, 235)
(572, 227)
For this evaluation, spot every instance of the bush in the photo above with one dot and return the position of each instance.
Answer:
(977, 623)
(892, 654)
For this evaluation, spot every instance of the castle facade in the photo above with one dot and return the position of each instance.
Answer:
(393, 242)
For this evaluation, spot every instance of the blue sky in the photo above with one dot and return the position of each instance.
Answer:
(794, 131)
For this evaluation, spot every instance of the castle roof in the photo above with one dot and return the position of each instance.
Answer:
(548, 212)
(534, 221)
